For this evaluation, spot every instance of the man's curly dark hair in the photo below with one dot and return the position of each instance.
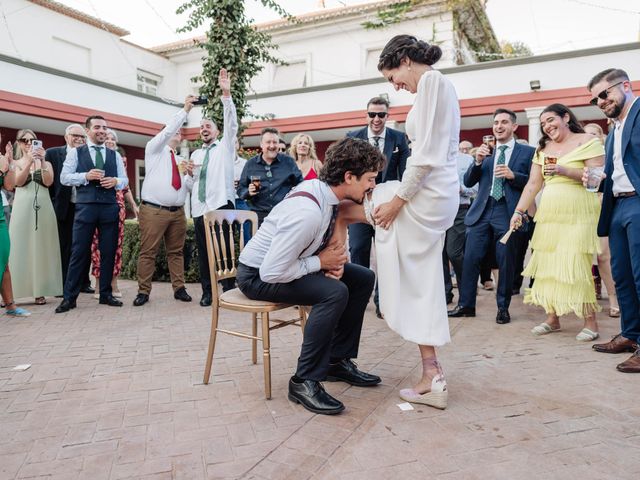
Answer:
(350, 155)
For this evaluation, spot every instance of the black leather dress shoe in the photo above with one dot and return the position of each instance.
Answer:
(311, 395)
(378, 312)
(347, 371)
(87, 289)
(140, 299)
(462, 312)
(111, 301)
(503, 316)
(65, 306)
(182, 295)
(206, 300)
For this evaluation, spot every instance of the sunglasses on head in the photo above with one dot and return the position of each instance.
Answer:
(603, 95)
(378, 114)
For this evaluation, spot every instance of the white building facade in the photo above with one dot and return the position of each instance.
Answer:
(68, 65)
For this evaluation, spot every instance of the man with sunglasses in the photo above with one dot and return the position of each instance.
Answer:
(620, 215)
(63, 199)
(393, 144)
(268, 177)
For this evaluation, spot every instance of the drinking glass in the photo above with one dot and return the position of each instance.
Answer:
(594, 177)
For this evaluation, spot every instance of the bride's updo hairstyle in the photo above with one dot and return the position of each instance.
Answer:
(407, 46)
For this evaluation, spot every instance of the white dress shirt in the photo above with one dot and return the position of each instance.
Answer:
(219, 187)
(621, 183)
(71, 177)
(158, 168)
(463, 162)
(284, 247)
(507, 156)
(372, 136)
(238, 166)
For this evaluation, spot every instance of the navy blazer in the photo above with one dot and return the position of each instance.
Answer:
(519, 163)
(396, 149)
(630, 160)
(60, 194)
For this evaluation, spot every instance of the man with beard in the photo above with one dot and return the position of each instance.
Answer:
(213, 180)
(291, 260)
(501, 172)
(268, 177)
(96, 172)
(620, 215)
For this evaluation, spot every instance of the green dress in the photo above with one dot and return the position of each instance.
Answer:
(5, 243)
(34, 260)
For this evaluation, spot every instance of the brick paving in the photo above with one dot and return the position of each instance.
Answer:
(118, 393)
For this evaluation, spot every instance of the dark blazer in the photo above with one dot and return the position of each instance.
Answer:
(60, 194)
(630, 160)
(519, 163)
(396, 150)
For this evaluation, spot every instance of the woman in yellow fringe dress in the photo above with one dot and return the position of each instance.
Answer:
(565, 240)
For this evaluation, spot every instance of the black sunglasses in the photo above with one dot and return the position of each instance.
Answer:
(268, 170)
(26, 140)
(603, 95)
(378, 114)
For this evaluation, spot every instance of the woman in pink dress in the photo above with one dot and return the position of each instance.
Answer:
(303, 151)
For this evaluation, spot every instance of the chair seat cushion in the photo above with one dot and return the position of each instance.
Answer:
(236, 297)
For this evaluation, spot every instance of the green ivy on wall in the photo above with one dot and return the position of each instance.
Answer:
(232, 42)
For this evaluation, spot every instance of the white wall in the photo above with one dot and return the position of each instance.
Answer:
(48, 38)
(566, 73)
(335, 51)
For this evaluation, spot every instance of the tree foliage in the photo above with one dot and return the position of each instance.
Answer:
(232, 42)
(515, 49)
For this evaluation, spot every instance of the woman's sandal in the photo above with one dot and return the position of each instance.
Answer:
(544, 329)
(614, 312)
(41, 301)
(587, 335)
(437, 396)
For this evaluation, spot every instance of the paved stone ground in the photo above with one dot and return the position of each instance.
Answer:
(118, 393)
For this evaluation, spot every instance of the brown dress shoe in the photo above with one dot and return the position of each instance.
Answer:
(618, 344)
(631, 364)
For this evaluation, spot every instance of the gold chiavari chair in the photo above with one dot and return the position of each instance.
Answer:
(223, 251)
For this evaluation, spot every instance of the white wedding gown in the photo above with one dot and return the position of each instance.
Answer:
(409, 254)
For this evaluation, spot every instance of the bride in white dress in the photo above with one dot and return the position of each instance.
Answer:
(412, 216)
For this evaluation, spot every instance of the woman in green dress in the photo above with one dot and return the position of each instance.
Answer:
(34, 259)
(7, 181)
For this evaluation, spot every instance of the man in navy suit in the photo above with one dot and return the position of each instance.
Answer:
(393, 144)
(501, 174)
(96, 172)
(63, 200)
(620, 215)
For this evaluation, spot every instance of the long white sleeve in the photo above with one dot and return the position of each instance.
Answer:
(412, 179)
(433, 114)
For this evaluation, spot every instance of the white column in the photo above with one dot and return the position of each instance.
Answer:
(533, 116)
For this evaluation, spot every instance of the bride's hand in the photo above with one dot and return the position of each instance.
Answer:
(385, 214)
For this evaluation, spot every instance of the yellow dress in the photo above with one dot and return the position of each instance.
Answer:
(565, 240)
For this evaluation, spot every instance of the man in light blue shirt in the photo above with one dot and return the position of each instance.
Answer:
(291, 260)
(96, 172)
(453, 250)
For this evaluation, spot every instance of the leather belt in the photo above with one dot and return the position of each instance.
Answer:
(161, 207)
(624, 194)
